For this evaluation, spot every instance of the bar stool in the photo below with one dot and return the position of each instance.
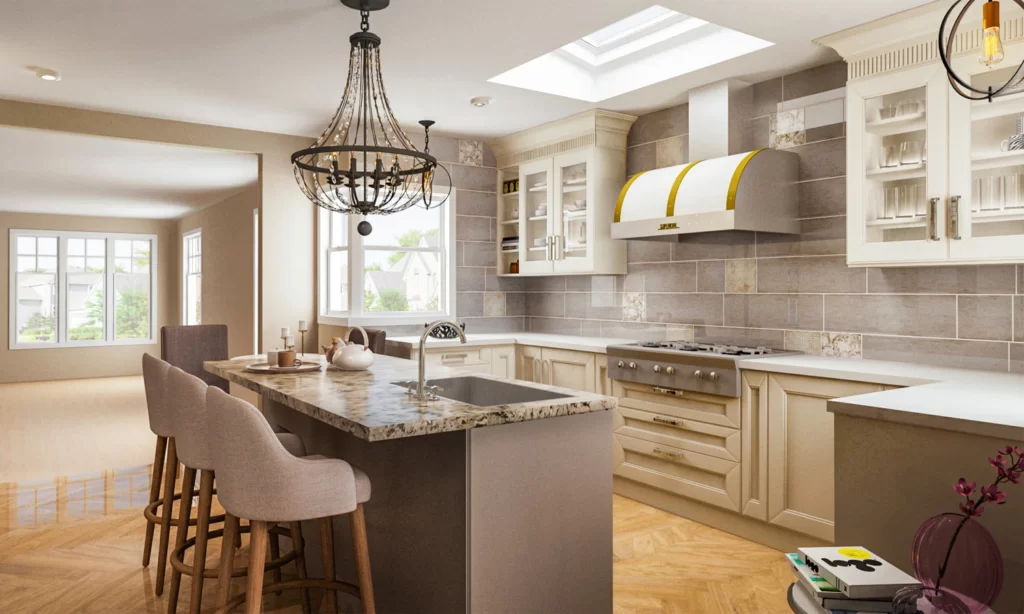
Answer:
(185, 403)
(259, 480)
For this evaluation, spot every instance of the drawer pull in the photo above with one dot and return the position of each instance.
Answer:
(670, 391)
(665, 420)
(667, 454)
(447, 357)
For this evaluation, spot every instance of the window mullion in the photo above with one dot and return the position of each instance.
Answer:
(61, 308)
(108, 292)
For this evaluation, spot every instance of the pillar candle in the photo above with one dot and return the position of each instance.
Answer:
(302, 325)
(285, 331)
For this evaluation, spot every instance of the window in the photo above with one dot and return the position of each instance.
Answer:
(192, 284)
(401, 273)
(59, 285)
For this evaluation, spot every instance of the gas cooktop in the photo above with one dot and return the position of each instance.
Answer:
(709, 348)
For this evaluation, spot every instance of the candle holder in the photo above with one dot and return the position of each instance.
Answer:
(303, 331)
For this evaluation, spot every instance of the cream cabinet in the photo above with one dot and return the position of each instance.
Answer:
(930, 177)
(555, 367)
(496, 360)
(602, 384)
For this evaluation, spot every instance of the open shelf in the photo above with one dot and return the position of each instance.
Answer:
(574, 188)
(537, 218)
(572, 215)
(515, 221)
(511, 194)
(897, 125)
(537, 189)
(999, 107)
(896, 173)
(997, 160)
(1000, 215)
(537, 249)
(899, 222)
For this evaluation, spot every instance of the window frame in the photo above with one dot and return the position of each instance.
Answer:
(186, 237)
(61, 332)
(355, 248)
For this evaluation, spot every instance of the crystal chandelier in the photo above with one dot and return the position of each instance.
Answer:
(364, 164)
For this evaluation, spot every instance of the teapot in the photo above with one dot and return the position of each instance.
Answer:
(349, 356)
(331, 350)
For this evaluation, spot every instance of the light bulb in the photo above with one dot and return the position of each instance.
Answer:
(991, 46)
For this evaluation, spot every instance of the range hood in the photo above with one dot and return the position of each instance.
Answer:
(723, 189)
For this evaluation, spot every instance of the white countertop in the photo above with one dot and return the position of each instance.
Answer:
(597, 345)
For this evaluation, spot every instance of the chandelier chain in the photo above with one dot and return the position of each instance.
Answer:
(364, 24)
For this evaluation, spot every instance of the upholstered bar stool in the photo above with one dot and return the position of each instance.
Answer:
(260, 481)
(185, 402)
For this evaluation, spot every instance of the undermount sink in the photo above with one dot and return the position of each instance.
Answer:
(484, 392)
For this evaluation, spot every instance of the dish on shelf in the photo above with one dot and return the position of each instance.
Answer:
(540, 241)
(539, 185)
(576, 181)
(578, 205)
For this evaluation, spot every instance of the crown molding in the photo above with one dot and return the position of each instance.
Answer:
(594, 127)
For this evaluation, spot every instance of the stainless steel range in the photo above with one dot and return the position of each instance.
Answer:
(683, 365)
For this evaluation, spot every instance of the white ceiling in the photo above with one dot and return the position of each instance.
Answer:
(55, 172)
(280, 65)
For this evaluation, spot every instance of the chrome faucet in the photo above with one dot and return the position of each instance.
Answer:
(422, 392)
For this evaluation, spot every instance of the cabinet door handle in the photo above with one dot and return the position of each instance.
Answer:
(450, 357)
(661, 390)
(954, 218)
(667, 454)
(665, 421)
(547, 242)
(933, 207)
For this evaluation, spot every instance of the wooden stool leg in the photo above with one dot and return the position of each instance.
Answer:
(202, 533)
(227, 560)
(154, 493)
(275, 552)
(170, 477)
(327, 546)
(362, 551)
(300, 562)
(257, 559)
(180, 535)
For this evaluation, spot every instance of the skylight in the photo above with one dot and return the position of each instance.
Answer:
(635, 23)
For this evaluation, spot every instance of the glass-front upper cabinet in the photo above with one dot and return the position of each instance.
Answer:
(536, 236)
(986, 181)
(897, 165)
(574, 236)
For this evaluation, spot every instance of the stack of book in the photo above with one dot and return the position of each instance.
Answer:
(847, 580)
(510, 244)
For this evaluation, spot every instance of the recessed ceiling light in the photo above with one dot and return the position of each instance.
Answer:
(481, 101)
(47, 74)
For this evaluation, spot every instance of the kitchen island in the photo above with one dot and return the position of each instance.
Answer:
(512, 517)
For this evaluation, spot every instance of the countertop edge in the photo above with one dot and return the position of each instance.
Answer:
(913, 418)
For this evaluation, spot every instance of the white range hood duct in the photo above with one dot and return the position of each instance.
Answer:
(726, 187)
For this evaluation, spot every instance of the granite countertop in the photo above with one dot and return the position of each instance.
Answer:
(367, 404)
(597, 345)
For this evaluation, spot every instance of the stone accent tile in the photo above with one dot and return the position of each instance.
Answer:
(822, 159)
(469, 202)
(444, 148)
(459, 249)
(469, 279)
(672, 151)
(674, 332)
(468, 228)
(547, 304)
(595, 283)
(824, 275)
(634, 307)
(481, 254)
(714, 246)
(673, 121)
(494, 325)
(479, 178)
(594, 306)
(558, 326)
(758, 130)
(515, 303)
(545, 284)
(1017, 358)
(741, 275)
(767, 96)
(818, 237)
(641, 158)
(739, 336)
(711, 276)
(825, 133)
(985, 317)
(471, 152)
(998, 279)
(638, 331)
(808, 342)
(648, 251)
(786, 129)
(983, 355)
(685, 308)
(790, 311)
(494, 303)
(842, 345)
(469, 304)
(814, 80)
(504, 284)
(911, 315)
(1018, 318)
(666, 276)
(822, 198)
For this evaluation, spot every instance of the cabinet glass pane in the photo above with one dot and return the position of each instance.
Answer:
(536, 213)
(995, 206)
(574, 210)
(896, 160)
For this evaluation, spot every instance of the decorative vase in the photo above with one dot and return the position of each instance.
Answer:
(958, 564)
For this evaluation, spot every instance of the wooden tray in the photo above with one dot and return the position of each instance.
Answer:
(303, 367)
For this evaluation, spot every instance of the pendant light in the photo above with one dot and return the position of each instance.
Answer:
(991, 51)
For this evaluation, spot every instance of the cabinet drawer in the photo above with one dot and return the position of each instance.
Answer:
(712, 409)
(460, 357)
(689, 474)
(691, 435)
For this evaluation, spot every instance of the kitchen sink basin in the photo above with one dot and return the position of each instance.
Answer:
(484, 392)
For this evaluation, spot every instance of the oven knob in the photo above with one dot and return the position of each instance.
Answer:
(621, 364)
(713, 376)
(657, 368)
(698, 374)
(632, 365)
(670, 370)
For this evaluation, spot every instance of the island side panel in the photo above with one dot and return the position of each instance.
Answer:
(892, 477)
(541, 516)
(415, 519)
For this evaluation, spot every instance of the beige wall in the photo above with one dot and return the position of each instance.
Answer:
(105, 361)
(286, 218)
(227, 265)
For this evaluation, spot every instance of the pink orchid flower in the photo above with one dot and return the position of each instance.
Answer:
(997, 462)
(1008, 450)
(993, 494)
(970, 510)
(965, 488)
